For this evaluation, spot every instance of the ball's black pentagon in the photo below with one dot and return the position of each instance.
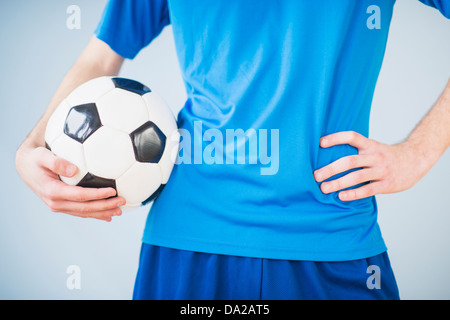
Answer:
(82, 121)
(93, 181)
(154, 195)
(130, 85)
(148, 143)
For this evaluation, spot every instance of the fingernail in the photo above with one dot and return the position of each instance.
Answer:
(70, 170)
(325, 187)
(317, 175)
(323, 141)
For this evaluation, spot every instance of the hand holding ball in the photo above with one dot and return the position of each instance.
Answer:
(119, 134)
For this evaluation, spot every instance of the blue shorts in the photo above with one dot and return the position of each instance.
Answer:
(171, 274)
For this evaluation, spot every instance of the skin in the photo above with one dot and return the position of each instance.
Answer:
(39, 167)
(388, 168)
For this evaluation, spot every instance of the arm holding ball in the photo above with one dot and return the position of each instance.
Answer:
(40, 168)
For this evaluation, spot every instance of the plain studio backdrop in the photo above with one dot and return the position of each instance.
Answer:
(41, 251)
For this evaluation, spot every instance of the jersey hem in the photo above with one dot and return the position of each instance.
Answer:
(265, 253)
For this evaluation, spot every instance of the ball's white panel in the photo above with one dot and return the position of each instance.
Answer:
(122, 109)
(139, 182)
(108, 153)
(72, 151)
(90, 91)
(169, 156)
(160, 113)
(55, 124)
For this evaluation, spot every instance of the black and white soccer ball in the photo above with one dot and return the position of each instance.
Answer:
(119, 134)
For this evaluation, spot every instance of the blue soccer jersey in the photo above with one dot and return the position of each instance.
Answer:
(265, 80)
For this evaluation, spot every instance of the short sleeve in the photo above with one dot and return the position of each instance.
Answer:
(442, 5)
(128, 26)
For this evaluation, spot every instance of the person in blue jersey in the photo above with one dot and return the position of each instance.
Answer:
(273, 193)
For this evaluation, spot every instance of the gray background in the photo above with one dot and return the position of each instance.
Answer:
(37, 246)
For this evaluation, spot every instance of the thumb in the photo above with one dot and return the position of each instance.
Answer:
(58, 165)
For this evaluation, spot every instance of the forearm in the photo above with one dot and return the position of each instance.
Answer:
(95, 61)
(431, 137)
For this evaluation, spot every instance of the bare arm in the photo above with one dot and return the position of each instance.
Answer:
(39, 167)
(431, 138)
(389, 168)
(96, 60)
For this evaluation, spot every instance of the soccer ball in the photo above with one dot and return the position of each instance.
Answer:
(119, 134)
